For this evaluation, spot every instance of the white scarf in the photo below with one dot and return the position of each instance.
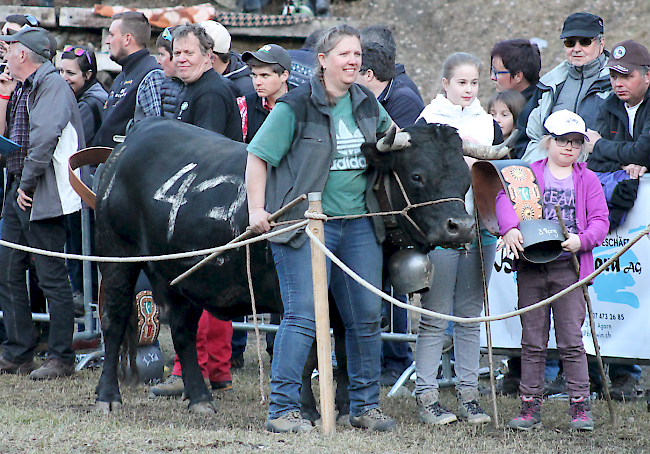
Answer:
(472, 121)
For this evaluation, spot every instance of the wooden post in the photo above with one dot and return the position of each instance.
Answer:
(321, 310)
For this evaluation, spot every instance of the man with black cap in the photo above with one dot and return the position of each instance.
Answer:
(579, 84)
(270, 67)
(621, 154)
(46, 124)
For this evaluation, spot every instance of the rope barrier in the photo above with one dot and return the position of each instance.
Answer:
(151, 258)
(493, 318)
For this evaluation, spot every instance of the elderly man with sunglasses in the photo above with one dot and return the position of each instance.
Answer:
(579, 84)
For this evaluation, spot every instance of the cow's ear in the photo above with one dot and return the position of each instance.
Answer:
(376, 158)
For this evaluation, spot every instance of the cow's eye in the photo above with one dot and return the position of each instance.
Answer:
(416, 178)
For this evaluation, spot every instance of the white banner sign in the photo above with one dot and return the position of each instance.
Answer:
(620, 296)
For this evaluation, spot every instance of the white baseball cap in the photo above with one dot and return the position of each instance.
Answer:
(219, 35)
(565, 122)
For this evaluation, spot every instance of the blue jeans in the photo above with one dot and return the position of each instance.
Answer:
(354, 242)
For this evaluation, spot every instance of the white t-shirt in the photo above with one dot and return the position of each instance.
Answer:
(631, 114)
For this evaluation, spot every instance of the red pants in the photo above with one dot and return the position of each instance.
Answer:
(213, 348)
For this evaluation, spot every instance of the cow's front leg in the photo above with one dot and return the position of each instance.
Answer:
(184, 325)
(118, 281)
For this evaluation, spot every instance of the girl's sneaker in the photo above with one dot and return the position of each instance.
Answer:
(580, 411)
(530, 416)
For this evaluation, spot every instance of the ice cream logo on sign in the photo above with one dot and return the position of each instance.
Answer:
(615, 284)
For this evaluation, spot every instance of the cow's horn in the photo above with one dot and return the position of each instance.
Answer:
(490, 152)
(394, 140)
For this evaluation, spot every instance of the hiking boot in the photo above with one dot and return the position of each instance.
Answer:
(172, 387)
(9, 367)
(580, 411)
(431, 412)
(373, 419)
(291, 421)
(225, 385)
(623, 388)
(530, 416)
(469, 409)
(557, 386)
(53, 368)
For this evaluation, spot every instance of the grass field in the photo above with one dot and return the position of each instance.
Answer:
(58, 417)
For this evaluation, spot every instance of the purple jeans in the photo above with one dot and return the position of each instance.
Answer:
(536, 282)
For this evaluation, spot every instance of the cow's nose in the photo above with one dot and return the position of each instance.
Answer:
(456, 226)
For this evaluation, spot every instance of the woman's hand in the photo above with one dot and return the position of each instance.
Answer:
(512, 241)
(258, 220)
(572, 244)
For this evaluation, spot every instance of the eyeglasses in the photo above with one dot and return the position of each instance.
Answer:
(167, 35)
(496, 73)
(575, 143)
(78, 51)
(584, 42)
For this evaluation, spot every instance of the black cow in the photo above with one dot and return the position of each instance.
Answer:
(172, 187)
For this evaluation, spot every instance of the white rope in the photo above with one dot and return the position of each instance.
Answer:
(493, 318)
(151, 258)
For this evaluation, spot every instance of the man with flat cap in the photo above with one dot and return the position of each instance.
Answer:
(44, 121)
(620, 155)
(579, 84)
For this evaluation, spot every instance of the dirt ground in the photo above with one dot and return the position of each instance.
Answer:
(57, 417)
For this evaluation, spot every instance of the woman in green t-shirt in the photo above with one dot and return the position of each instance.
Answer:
(311, 143)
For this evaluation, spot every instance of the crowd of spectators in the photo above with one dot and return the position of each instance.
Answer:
(344, 86)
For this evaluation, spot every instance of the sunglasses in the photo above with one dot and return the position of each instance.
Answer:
(167, 35)
(31, 22)
(78, 51)
(584, 42)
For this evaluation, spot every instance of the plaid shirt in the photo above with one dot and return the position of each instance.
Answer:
(149, 93)
(19, 122)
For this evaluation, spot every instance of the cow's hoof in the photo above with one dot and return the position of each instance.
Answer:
(108, 407)
(203, 407)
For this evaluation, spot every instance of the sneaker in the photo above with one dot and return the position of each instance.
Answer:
(580, 411)
(225, 385)
(557, 386)
(530, 416)
(9, 367)
(388, 377)
(53, 368)
(172, 387)
(431, 412)
(373, 419)
(623, 388)
(509, 385)
(470, 410)
(237, 362)
(291, 421)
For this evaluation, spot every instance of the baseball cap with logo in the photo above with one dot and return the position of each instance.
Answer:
(582, 25)
(34, 38)
(219, 35)
(271, 54)
(628, 56)
(565, 122)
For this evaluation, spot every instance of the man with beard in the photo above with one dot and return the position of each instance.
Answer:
(135, 94)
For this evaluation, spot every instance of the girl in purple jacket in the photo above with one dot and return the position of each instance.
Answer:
(565, 182)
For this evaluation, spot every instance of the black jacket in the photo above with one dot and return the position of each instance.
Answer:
(120, 105)
(401, 102)
(618, 147)
(240, 74)
(171, 92)
(209, 104)
(400, 74)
